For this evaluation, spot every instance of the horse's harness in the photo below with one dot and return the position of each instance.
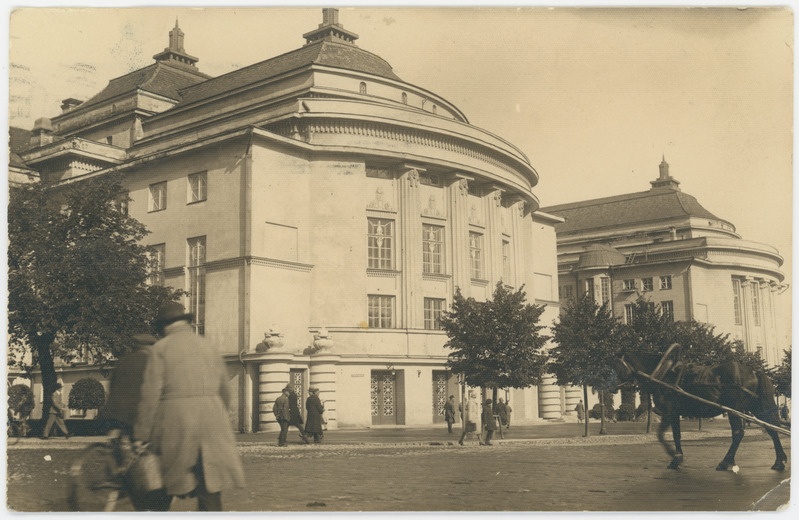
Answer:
(679, 368)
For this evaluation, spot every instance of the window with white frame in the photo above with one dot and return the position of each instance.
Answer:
(589, 288)
(476, 254)
(197, 248)
(628, 285)
(604, 287)
(647, 284)
(433, 308)
(381, 311)
(665, 282)
(629, 314)
(380, 243)
(667, 308)
(736, 301)
(432, 249)
(157, 198)
(198, 187)
(122, 203)
(157, 254)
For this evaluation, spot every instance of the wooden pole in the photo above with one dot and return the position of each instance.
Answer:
(716, 405)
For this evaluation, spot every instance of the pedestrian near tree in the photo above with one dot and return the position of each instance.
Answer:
(55, 416)
(183, 414)
(282, 412)
(314, 408)
(489, 421)
(501, 409)
(471, 414)
(580, 409)
(449, 412)
(510, 410)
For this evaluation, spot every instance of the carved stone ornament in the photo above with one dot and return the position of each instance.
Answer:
(413, 178)
(522, 207)
(463, 186)
(432, 207)
(379, 202)
(272, 340)
(322, 340)
(498, 198)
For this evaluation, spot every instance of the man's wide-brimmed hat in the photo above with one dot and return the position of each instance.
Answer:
(287, 387)
(170, 313)
(313, 389)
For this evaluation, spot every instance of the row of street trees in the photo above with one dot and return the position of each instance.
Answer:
(498, 343)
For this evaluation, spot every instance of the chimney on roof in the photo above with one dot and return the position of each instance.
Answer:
(175, 53)
(69, 104)
(330, 29)
(665, 180)
(42, 133)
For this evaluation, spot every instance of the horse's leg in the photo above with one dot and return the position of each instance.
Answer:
(737, 427)
(670, 420)
(772, 417)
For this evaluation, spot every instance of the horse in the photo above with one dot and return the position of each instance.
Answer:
(730, 384)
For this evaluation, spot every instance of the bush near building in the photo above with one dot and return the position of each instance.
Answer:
(87, 394)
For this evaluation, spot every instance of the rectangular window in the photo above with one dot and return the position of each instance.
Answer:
(432, 249)
(506, 271)
(381, 312)
(198, 187)
(605, 288)
(647, 284)
(433, 307)
(566, 292)
(380, 243)
(121, 203)
(157, 255)
(476, 254)
(667, 308)
(755, 290)
(736, 301)
(429, 179)
(628, 285)
(197, 249)
(665, 282)
(629, 314)
(157, 200)
(589, 289)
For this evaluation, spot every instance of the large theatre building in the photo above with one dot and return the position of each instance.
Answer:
(321, 212)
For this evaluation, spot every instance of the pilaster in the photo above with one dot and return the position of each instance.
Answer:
(410, 223)
(458, 192)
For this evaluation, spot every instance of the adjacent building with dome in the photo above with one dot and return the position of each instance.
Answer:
(663, 245)
(321, 212)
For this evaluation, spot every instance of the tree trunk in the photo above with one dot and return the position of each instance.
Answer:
(602, 430)
(648, 413)
(43, 344)
(585, 411)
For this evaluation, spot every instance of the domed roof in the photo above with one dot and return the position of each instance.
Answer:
(600, 255)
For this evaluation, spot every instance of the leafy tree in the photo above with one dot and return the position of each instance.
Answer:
(587, 338)
(77, 276)
(781, 375)
(496, 343)
(86, 394)
(20, 400)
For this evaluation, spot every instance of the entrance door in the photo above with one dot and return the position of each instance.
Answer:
(445, 384)
(297, 378)
(384, 397)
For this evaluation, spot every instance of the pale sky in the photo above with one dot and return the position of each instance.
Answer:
(594, 97)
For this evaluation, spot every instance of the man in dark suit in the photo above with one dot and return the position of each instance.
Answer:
(58, 410)
(282, 413)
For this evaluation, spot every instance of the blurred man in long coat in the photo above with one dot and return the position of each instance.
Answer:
(183, 413)
(314, 409)
(489, 421)
(55, 416)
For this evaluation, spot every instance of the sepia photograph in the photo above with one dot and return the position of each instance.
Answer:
(399, 259)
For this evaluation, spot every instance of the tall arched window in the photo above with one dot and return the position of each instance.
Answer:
(404, 98)
(363, 87)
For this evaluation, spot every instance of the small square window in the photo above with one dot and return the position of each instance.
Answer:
(381, 311)
(665, 282)
(628, 285)
(647, 284)
(157, 201)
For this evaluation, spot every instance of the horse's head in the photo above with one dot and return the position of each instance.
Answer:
(624, 370)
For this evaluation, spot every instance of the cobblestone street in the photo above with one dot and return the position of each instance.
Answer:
(598, 473)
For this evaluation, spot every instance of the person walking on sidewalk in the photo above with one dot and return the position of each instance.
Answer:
(282, 413)
(315, 409)
(580, 409)
(489, 421)
(449, 412)
(56, 414)
(471, 413)
(501, 409)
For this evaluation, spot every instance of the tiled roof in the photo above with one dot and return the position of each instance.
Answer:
(329, 53)
(629, 209)
(159, 78)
